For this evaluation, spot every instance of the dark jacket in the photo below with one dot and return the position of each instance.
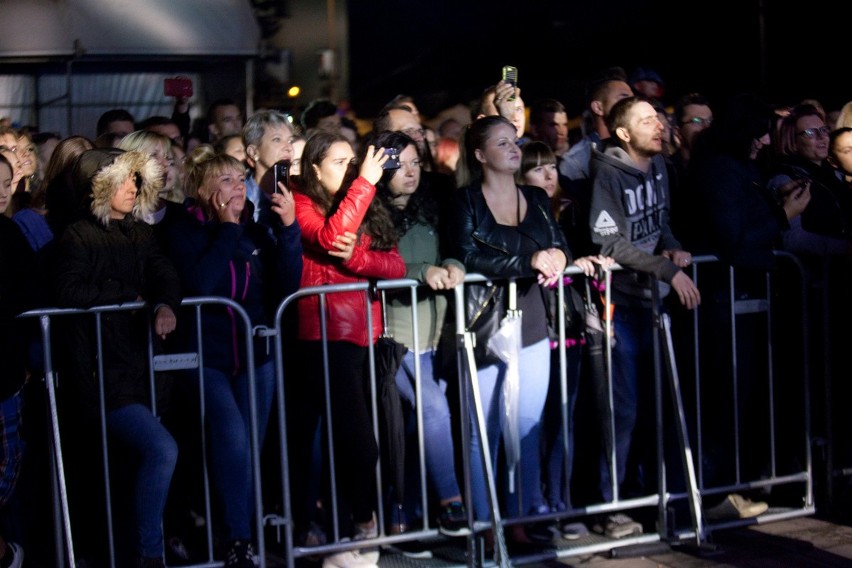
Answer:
(255, 265)
(102, 262)
(486, 249)
(629, 221)
(829, 212)
(735, 216)
(17, 278)
(483, 252)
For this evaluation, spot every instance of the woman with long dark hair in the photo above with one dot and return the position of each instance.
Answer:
(347, 237)
(415, 212)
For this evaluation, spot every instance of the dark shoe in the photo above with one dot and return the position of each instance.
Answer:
(539, 533)
(453, 520)
(240, 555)
(398, 521)
(314, 536)
(414, 549)
(533, 533)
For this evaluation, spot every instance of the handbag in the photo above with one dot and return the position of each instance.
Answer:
(573, 312)
(486, 308)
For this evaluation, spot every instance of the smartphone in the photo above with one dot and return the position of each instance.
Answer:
(510, 75)
(280, 172)
(177, 87)
(393, 159)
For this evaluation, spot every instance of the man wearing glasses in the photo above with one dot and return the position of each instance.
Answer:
(692, 115)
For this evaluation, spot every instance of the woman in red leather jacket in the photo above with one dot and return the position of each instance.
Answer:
(346, 239)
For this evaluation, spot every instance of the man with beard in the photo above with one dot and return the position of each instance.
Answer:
(629, 221)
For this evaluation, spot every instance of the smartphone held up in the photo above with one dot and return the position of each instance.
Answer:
(392, 162)
(279, 172)
(510, 75)
(180, 87)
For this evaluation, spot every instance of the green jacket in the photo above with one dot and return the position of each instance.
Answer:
(419, 248)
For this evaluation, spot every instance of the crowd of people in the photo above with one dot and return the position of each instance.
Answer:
(153, 211)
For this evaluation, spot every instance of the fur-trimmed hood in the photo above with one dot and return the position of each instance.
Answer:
(98, 173)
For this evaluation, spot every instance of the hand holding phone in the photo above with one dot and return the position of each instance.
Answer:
(281, 173)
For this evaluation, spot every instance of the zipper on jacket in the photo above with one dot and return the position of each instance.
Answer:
(501, 249)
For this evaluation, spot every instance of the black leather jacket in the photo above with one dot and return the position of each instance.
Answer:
(489, 252)
(485, 251)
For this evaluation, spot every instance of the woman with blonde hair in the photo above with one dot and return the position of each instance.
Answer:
(111, 257)
(221, 251)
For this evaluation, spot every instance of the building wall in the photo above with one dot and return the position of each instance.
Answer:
(314, 26)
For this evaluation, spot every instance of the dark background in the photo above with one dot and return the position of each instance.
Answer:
(444, 52)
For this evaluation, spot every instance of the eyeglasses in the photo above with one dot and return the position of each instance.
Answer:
(822, 131)
(698, 121)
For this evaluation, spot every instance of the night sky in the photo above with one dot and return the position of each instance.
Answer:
(444, 52)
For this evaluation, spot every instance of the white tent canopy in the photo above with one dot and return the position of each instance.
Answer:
(144, 28)
(64, 62)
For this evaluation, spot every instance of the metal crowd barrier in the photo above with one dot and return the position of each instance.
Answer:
(832, 430)
(686, 410)
(780, 312)
(63, 535)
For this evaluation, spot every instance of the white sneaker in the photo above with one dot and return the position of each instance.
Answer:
(363, 533)
(371, 554)
(352, 559)
(618, 525)
(736, 507)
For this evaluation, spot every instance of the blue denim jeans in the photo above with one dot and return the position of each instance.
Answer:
(534, 367)
(632, 386)
(437, 429)
(136, 429)
(228, 426)
(11, 445)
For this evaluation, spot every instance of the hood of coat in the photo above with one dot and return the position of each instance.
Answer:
(98, 174)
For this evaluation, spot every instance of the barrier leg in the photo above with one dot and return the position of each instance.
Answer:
(694, 499)
(61, 486)
(502, 554)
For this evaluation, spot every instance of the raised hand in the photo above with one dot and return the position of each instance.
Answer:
(371, 168)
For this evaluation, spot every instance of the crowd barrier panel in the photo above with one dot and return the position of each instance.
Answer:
(832, 430)
(689, 426)
(64, 549)
(775, 320)
(425, 529)
(463, 342)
